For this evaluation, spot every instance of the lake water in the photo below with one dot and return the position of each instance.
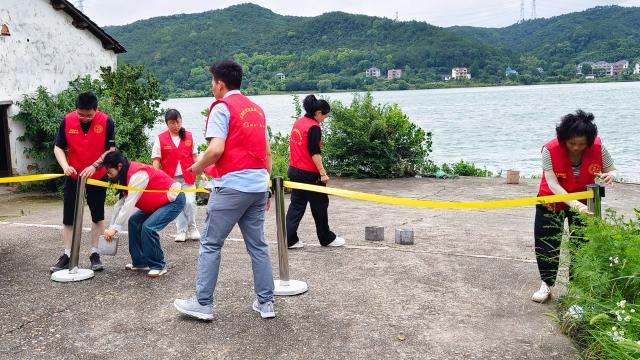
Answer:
(496, 127)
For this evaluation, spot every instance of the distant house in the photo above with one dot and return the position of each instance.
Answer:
(636, 69)
(460, 73)
(373, 72)
(509, 71)
(394, 74)
(280, 76)
(44, 43)
(446, 77)
(589, 77)
(610, 69)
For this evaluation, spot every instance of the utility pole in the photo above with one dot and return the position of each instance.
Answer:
(521, 11)
(81, 5)
(396, 16)
(533, 9)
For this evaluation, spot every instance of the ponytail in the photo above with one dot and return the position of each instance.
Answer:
(311, 104)
(182, 133)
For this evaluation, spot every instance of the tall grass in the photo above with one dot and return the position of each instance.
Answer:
(601, 310)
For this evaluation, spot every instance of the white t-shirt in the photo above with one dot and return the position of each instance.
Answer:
(157, 153)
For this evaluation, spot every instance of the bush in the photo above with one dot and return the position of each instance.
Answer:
(373, 140)
(463, 168)
(604, 292)
(129, 95)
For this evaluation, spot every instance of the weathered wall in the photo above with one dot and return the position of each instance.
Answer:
(44, 49)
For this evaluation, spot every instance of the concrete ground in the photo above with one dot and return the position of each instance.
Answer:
(461, 292)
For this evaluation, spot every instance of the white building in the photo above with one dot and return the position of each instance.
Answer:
(460, 73)
(373, 72)
(636, 69)
(281, 76)
(43, 43)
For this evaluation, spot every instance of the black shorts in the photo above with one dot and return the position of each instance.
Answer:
(95, 196)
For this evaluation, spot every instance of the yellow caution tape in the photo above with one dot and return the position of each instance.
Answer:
(27, 178)
(42, 177)
(440, 204)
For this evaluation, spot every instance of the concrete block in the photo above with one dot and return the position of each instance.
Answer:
(374, 233)
(404, 236)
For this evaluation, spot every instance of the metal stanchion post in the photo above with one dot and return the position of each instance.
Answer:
(595, 204)
(74, 273)
(284, 286)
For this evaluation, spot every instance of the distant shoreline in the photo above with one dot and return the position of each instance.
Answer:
(439, 85)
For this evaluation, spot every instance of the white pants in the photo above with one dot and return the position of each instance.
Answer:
(186, 221)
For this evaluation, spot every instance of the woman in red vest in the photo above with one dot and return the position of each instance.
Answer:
(570, 161)
(173, 152)
(147, 212)
(305, 166)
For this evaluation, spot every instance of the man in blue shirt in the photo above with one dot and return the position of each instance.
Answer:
(239, 148)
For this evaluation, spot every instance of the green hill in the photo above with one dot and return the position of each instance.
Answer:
(333, 50)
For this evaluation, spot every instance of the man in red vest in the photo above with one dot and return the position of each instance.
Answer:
(147, 213)
(570, 162)
(87, 134)
(239, 148)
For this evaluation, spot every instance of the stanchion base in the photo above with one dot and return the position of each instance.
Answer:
(65, 276)
(294, 287)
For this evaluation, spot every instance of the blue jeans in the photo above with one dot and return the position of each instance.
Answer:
(226, 208)
(144, 240)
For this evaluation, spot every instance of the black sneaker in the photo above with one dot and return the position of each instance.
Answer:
(96, 264)
(63, 263)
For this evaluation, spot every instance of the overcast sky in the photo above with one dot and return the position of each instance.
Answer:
(485, 13)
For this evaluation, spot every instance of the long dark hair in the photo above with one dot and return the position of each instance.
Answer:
(111, 161)
(576, 124)
(311, 105)
(173, 114)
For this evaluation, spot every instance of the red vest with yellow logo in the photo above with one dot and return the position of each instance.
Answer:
(149, 202)
(299, 156)
(246, 144)
(85, 149)
(170, 155)
(591, 165)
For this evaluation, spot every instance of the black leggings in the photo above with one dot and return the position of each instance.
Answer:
(547, 232)
(318, 202)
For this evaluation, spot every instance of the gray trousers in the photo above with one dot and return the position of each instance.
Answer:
(226, 208)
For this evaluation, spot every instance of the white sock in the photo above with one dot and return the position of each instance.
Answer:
(94, 250)
(67, 252)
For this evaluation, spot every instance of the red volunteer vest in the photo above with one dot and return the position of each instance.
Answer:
(591, 165)
(246, 145)
(299, 156)
(170, 155)
(85, 149)
(149, 202)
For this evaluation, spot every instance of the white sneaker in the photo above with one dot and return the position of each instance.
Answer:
(298, 245)
(182, 237)
(542, 294)
(337, 242)
(154, 273)
(194, 234)
(136, 268)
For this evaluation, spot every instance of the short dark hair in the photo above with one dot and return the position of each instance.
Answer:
(173, 114)
(229, 72)
(311, 104)
(87, 101)
(576, 124)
